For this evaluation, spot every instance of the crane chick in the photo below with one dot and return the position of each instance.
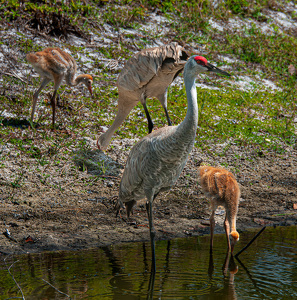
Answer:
(53, 64)
(221, 187)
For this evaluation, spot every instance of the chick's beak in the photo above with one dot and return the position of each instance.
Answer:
(90, 90)
(232, 244)
(212, 68)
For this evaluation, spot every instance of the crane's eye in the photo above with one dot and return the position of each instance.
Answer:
(200, 60)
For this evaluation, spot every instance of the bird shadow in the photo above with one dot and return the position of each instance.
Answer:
(96, 162)
(15, 122)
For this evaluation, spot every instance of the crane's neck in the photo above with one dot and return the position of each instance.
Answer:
(188, 127)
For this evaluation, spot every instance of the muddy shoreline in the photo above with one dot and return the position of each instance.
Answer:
(40, 217)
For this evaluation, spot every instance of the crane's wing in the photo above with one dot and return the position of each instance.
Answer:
(48, 61)
(65, 58)
(144, 65)
(154, 163)
(133, 176)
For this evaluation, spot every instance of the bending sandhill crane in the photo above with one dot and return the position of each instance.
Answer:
(146, 74)
(53, 64)
(222, 189)
(156, 161)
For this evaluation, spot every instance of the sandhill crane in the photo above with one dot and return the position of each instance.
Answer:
(146, 74)
(53, 64)
(156, 161)
(222, 189)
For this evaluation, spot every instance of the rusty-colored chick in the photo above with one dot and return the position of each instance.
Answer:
(221, 187)
(53, 64)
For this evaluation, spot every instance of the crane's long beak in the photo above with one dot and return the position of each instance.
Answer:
(212, 68)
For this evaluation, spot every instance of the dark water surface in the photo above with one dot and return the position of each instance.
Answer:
(185, 270)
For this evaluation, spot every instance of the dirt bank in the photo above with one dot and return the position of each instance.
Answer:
(76, 214)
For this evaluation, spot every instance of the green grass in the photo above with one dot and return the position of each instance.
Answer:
(126, 16)
(272, 52)
(262, 119)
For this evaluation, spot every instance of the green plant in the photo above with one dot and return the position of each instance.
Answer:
(17, 182)
(125, 16)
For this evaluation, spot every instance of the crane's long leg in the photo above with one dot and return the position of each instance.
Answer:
(122, 113)
(58, 80)
(44, 82)
(53, 103)
(227, 231)
(149, 209)
(226, 264)
(167, 116)
(163, 100)
(149, 120)
(210, 265)
(212, 226)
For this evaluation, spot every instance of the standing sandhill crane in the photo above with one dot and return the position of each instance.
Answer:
(222, 188)
(156, 161)
(53, 64)
(146, 74)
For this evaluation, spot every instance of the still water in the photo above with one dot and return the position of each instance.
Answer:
(185, 270)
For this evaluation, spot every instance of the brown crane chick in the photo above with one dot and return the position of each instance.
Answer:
(53, 64)
(221, 187)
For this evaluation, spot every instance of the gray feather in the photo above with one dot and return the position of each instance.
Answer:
(144, 65)
(156, 161)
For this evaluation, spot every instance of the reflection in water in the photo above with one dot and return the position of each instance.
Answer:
(150, 292)
(186, 269)
(248, 273)
(121, 284)
(228, 290)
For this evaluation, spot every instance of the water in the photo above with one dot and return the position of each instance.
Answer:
(185, 270)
